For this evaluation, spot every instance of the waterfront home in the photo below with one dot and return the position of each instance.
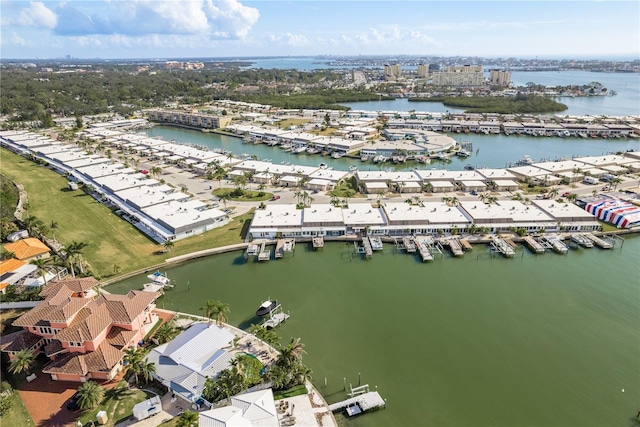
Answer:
(322, 220)
(255, 408)
(569, 215)
(184, 363)
(425, 218)
(361, 217)
(28, 249)
(83, 335)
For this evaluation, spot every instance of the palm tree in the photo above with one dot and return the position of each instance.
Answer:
(615, 182)
(446, 200)
(335, 200)
(137, 365)
(218, 174)
(116, 269)
(90, 394)
(42, 264)
(53, 226)
(21, 362)
(225, 197)
(264, 334)
(188, 419)
(168, 244)
(74, 253)
(166, 332)
(572, 197)
(291, 354)
(156, 171)
(553, 193)
(217, 309)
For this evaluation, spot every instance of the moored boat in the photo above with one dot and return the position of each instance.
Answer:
(160, 278)
(266, 307)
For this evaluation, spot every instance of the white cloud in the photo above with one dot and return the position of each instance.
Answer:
(15, 40)
(289, 39)
(37, 15)
(230, 18)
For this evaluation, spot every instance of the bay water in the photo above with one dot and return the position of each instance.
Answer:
(547, 340)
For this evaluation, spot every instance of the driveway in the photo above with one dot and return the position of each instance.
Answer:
(46, 401)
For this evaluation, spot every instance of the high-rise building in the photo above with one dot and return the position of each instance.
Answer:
(391, 72)
(457, 76)
(423, 71)
(500, 77)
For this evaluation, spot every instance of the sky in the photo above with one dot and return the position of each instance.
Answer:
(112, 29)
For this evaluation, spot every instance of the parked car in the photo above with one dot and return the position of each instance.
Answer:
(73, 404)
(474, 192)
(566, 194)
(275, 197)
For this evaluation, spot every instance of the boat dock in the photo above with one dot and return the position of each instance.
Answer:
(284, 245)
(425, 245)
(454, 246)
(366, 247)
(501, 246)
(601, 243)
(317, 242)
(252, 250)
(466, 246)
(264, 254)
(557, 245)
(409, 244)
(276, 317)
(376, 243)
(581, 240)
(361, 400)
(534, 245)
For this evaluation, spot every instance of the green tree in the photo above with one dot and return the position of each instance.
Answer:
(166, 332)
(188, 419)
(136, 365)
(90, 394)
(21, 362)
(264, 334)
(168, 244)
(42, 264)
(225, 197)
(216, 309)
(73, 253)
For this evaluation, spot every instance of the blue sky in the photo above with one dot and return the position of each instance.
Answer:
(236, 28)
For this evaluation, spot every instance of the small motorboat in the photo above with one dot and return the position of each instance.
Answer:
(160, 278)
(266, 307)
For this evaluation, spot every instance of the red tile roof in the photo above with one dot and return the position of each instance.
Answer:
(16, 341)
(27, 248)
(102, 360)
(82, 284)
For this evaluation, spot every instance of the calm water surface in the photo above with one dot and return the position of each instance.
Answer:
(494, 151)
(545, 340)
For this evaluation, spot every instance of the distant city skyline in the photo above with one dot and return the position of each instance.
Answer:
(236, 28)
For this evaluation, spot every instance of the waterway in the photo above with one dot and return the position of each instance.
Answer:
(626, 102)
(493, 151)
(549, 340)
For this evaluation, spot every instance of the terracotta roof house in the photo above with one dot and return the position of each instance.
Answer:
(28, 249)
(82, 333)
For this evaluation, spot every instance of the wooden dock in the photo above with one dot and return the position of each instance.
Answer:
(317, 242)
(409, 244)
(466, 246)
(599, 242)
(368, 250)
(534, 245)
(284, 245)
(455, 247)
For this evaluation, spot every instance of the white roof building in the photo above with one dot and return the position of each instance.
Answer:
(253, 409)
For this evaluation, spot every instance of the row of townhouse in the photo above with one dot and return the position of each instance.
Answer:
(395, 219)
(82, 333)
(159, 211)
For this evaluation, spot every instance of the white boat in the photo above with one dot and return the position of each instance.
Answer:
(463, 153)
(159, 278)
(336, 155)
(376, 243)
(353, 168)
(525, 161)
(300, 150)
(266, 307)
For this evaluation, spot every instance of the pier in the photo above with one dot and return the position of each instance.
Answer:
(284, 245)
(376, 243)
(409, 244)
(252, 250)
(557, 245)
(425, 245)
(276, 317)
(454, 246)
(264, 254)
(361, 400)
(581, 240)
(317, 242)
(534, 245)
(501, 246)
(601, 243)
(368, 250)
(466, 246)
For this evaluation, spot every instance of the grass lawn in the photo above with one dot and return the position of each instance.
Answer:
(17, 415)
(284, 124)
(111, 240)
(7, 317)
(118, 403)
(295, 391)
(247, 196)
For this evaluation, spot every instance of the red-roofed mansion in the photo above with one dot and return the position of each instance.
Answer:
(82, 333)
